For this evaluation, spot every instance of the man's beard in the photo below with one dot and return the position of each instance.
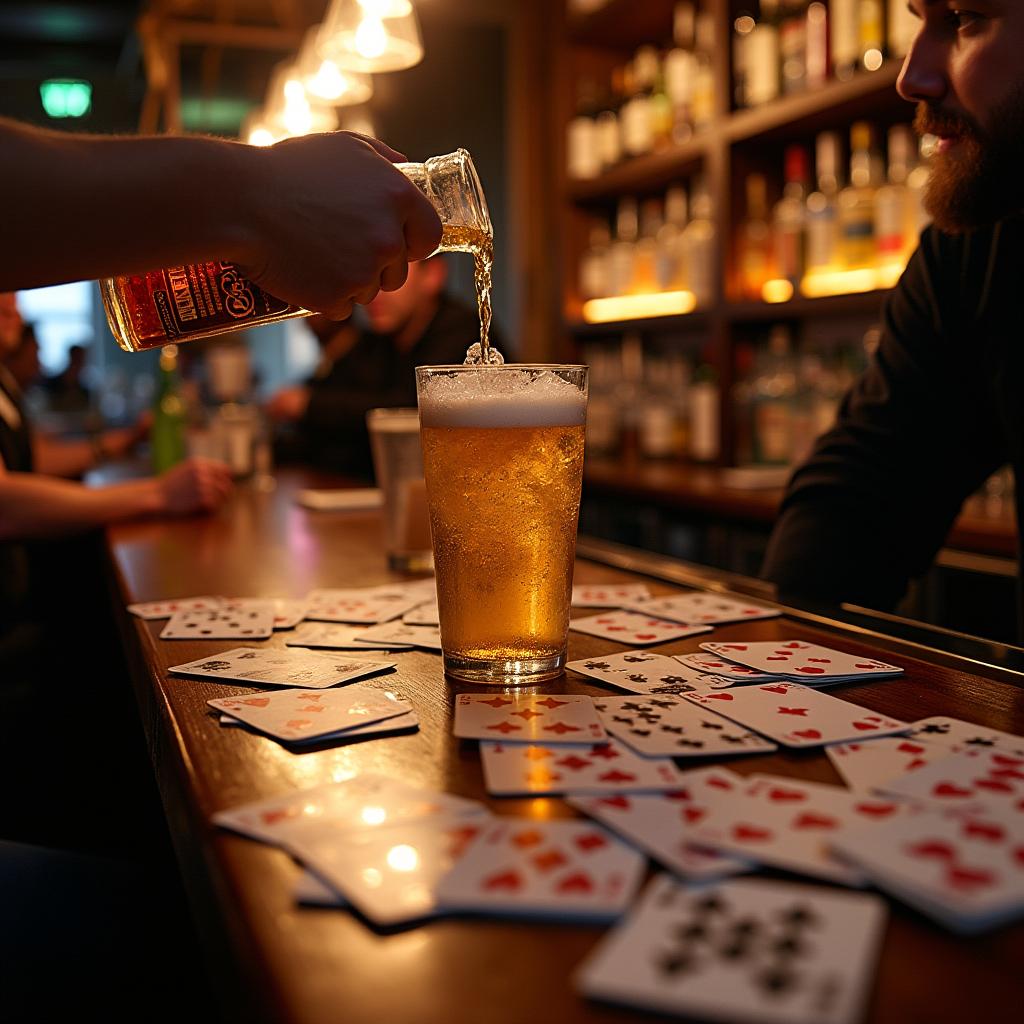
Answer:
(976, 181)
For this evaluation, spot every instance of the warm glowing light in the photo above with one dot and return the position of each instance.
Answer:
(328, 82)
(261, 137)
(637, 307)
(888, 274)
(403, 858)
(777, 290)
(372, 877)
(838, 282)
(370, 36)
(371, 39)
(386, 8)
(873, 59)
(373, 815)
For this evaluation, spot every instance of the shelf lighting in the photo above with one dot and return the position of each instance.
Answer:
(777, 290)
(839, 282)
(638, 307)
(371, 36)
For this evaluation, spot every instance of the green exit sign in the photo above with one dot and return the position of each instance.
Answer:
(66, 97)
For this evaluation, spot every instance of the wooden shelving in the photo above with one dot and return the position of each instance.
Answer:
(642, 174)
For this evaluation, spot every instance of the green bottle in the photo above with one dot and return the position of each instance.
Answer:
(167, 437)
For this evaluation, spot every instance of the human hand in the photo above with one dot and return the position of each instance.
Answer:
(194, 485)
(330, 221)
(119, 443)
(288, 404)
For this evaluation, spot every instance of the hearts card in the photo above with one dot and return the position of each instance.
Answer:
(704, 661)
(957, 734)
(219, 624)
(547, 868)
(399, 633)
(281, 668)
(867, 765)
(331, 636)
(965, 778)
(663, 725)
(389, 727)
(796, 659)
(608, 595)
(797, 715)
(643, 672)
(513, 769)
(703, 609)
(635, 629)
(165, 609)
(295, 715)
(365, 605)
(531, 718)
(743, 950)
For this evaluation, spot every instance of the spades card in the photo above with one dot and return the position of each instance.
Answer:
(608, 595)
(512, 769)
(796, 659)
(866, 766)
(703, 609)
(332, 636)
(546, 868)
(957, 734)
(743, 950)
(664, 725)
(643, 672)
(281, 668)
(797, 715)
(531, 718)
(165, 609)
(633, 628)
(220, 624)
(705, 661)
(399, 633)
(363, 605)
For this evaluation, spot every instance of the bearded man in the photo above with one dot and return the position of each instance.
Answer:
(941, 406)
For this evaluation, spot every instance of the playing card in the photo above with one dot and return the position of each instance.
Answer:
(704, 661)
(659, 823)
(867, 765)
(165, 609)
(797, 715)
(368, 604)
(364, 801)
(287, 612)
(643, 672)
(971, 779)
(218, 624)
(281, 668)
(608, 595)
(632, 628)
(964, 870)
(331, 636)
(664, 725)
(400, 723)
(957, 734)
(423, 615)
(743, 950)
(295, 715)
(547, 868)
(544, 718)
(389, 874)
(533, 769)
(314, 892)
(796, 659)
(399, 633)
(703, 609)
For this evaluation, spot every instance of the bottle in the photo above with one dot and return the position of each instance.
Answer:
(670, 261)
(901, 29)
(742, 405)
(167, 435)
(773, 393)
(181, 304)
(657, 427)
(680, 71)
(817, 45)
(699, 245)
(756, 239)
(622, 257)
(894, 237)
(793, 46)
(762, 57)
(636, 122)
(870, 34)
(857, 203)
(595, 272)
(844, 35)
(583, 159)
(788, 218)
(822, 236)
(741, 27)
(704, 411)
(645, 274)
(917, 181)
(661, 112)
(704, 78)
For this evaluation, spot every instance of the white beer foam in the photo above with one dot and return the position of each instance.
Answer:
(501, 398)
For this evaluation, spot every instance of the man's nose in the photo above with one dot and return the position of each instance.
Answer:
(923, 76)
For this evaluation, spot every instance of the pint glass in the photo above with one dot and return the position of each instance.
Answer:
(503, 461)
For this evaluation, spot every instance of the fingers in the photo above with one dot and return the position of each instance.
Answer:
(393, 276)
(385, 150)
(422, 229)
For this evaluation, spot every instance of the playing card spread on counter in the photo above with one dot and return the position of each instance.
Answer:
(400, 723)
(423, 615)
(957, 734)
(795, 659)
(965, 778)
(371, 605)
(671, 726)
(331, 636)
(544, 868)
(292, 715)
(643, 672)
(428, 637)
(287, 612)
(165, 609)
(512, 769)
(608, 595)
(868, 765)
(742, 950)
(282, 668)
(633, 628)
(219, 624)
(703, 609)
(704, 661)
(797, 715)
(544, 718)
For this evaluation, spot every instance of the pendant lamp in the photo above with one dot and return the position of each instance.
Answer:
(371, 35)
(324, 81)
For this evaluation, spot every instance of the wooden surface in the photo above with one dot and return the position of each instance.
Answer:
(275, 961)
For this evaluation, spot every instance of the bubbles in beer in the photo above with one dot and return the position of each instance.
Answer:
(460, 238)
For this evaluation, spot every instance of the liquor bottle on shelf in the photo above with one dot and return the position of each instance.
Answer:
(704, 78)
(645, 273)
(699, 245)
(857, 202)
(628, 392)
(595, 270)
(822, 238)
(742, 405)
(817, 70)
(622, 257)
(680, 72)
(607, 129)
(661, 112)
(762, 57)
(670, 261)
(755, 264)
(167, 435)
(844, 37)
(602, 431)
(742, 28)
(658, 435)
(774, 389)
(917, 181)
(789, 217)
(793, 46)
(871, 34)
(583, 158)
(901, 29)
(895, 217)
(705, 436)
(636, 122)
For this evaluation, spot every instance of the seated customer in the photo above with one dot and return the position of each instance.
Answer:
(419, 324)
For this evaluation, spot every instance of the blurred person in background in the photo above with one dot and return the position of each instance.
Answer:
(66, 391)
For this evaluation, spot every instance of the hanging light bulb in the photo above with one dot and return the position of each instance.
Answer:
(288, 110)
(324, 81)
(371, 35)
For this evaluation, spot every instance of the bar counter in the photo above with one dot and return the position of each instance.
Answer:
(271, 960)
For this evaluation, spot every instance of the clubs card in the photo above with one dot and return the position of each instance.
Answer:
(365, 605)
(635, 629)
(796, 659)
(400, 723)
(669, 726)
(335, 637)
(296, 715)
(544, 868)
(608, 595)
(743, 950)
(797, 715)
(964, 870)
(165, 609)
(703, 609)
(643, 672)
(955, 733)
(658, 823)
(389, 874)
(250, 624)
(288, 613)
(423, 615)
(428, 637)
(704, 661)
(281, 668)
(512, 769)
(964, 778)
(364, 801)
(530, 718)
(866, 766)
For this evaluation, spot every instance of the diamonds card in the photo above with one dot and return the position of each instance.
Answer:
(531, 718)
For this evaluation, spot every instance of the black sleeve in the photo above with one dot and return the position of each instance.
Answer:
(915, 435)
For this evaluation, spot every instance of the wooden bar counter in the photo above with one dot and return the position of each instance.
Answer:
(272, 960)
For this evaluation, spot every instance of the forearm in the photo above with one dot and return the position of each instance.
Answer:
(62, 458)
(33, 506)
(116, 205)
